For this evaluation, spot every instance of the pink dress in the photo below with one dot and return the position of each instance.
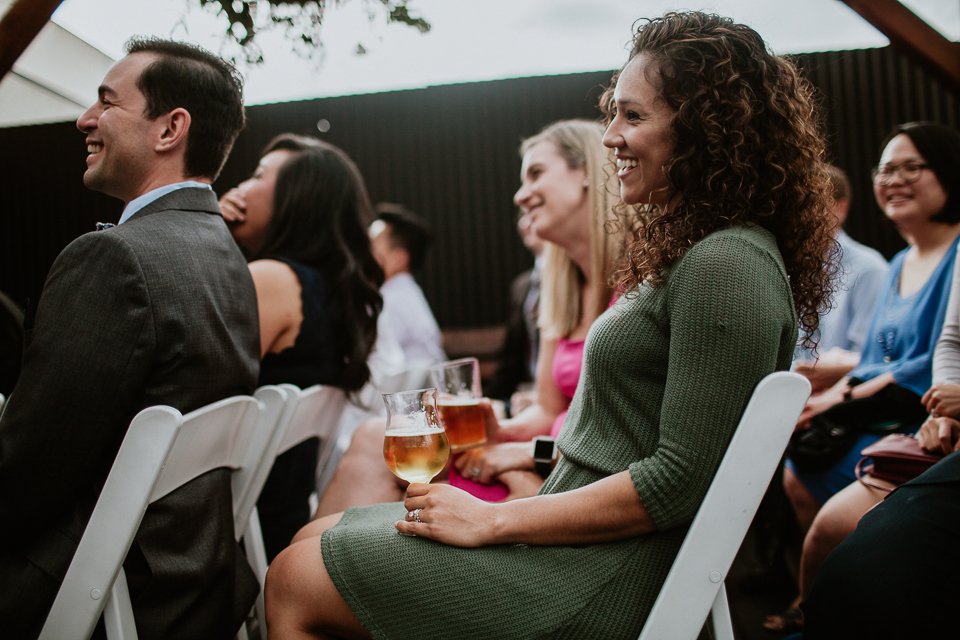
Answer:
(567, 362)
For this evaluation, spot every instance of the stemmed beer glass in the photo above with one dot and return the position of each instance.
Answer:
(415, 446)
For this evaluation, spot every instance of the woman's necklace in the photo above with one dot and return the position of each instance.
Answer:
(887, 338)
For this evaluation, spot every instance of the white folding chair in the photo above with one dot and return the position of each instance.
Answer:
(313, 412)
(2, 401)
(161, 451)
(694, 586)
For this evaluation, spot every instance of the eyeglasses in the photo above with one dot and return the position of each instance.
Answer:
(908, 171)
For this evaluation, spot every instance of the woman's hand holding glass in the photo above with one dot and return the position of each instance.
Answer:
(448, 515)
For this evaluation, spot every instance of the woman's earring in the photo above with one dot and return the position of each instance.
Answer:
(586, 184)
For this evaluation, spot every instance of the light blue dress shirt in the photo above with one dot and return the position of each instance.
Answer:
(139, 203)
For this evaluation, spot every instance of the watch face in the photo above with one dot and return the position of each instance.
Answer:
(543, 449)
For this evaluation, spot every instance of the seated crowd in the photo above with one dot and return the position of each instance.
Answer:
(692, 244)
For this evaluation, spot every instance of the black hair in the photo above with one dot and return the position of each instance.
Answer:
(210, 89)
(940, 147)
(406, 230)
(321, 212)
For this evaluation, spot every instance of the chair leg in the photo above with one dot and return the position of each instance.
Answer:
(118, 612)
(257, 557)
(720, 615)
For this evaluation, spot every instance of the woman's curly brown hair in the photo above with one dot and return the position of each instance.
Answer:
(747, 149)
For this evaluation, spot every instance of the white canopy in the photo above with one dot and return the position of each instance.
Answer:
(55, 79)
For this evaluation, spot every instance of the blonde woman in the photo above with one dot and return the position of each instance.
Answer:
(568, 191)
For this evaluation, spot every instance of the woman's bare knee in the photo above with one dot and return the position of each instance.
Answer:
(301, 599)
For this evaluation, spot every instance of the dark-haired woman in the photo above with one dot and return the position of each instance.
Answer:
(303, 219)
(917, 185)
(712, 277)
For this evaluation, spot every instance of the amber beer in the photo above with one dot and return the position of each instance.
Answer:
(416, 455)
(463, 420)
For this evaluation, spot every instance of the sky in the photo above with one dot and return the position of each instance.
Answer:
(469, 41)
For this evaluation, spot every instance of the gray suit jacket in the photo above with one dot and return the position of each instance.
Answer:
(158, 310)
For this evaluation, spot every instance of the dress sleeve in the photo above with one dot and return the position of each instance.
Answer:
(946, 358)
(86, 359)
(730, 317)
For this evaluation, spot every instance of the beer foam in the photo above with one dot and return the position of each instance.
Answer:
(457, 401)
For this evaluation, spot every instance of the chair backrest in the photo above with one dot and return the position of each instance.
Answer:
(695, 582)
(2, 401)
(276, 407)
(312, 412)
(161, 451)
(316, 414)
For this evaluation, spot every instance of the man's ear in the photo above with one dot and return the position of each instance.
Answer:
(175, 126)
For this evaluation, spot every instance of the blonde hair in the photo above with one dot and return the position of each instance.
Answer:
(580, 144)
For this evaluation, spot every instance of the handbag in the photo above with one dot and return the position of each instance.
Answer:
(896, 458)
(832, 434)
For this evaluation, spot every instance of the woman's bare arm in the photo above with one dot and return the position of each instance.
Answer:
(279, 304)
(604, 511)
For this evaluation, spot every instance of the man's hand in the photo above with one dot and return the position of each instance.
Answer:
(819, 403)
(830, 368)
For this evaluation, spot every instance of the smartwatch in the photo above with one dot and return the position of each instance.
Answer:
(543, 452)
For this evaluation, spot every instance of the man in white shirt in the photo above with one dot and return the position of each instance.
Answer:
(843, 329)
(399, 241)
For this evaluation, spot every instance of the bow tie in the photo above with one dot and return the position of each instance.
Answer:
(104, 225)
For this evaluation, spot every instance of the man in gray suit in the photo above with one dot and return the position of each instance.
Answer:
(159, 309)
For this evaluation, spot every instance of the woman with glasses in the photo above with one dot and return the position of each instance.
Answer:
(917, 185)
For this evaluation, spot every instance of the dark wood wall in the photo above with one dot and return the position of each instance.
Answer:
(449, 153)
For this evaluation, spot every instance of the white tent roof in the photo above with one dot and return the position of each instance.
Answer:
(55, 79)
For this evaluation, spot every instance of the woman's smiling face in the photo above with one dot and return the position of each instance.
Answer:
(640, 134)
(553, 195)
(908, 202)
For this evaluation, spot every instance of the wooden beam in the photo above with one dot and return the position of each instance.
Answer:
(915, 38)
(21, 24)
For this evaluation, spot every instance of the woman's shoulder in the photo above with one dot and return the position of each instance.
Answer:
(747, 242)
(275, 277)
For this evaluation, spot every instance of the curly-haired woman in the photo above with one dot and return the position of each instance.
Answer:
(717, 143)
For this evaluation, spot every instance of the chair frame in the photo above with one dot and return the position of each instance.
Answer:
(312, 412)
(694, 587)
(161, 451)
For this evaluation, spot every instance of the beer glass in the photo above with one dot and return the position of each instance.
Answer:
(458, 398)
(415, 446)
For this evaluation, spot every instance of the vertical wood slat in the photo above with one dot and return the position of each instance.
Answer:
(449, 153)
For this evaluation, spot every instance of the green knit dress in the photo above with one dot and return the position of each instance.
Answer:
(667, 373)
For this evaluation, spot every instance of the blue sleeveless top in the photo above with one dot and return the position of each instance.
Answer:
(312, 358)
(905, 331)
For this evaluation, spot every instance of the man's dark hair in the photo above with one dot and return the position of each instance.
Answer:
(210, 89)
(407, 230)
